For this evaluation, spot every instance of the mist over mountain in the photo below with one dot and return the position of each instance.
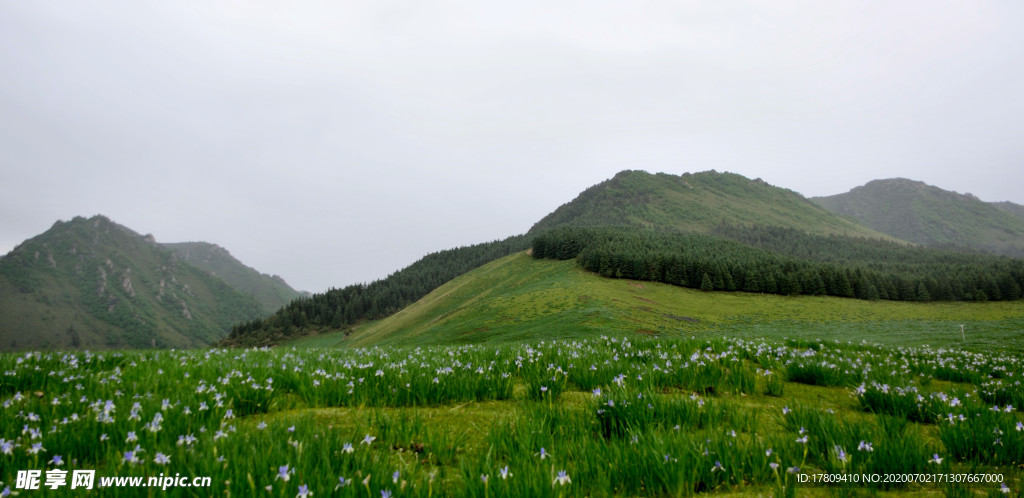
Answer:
(94, 284)
(920, 213)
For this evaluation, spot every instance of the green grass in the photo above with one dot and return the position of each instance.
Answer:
(518, 297)
(623, 416)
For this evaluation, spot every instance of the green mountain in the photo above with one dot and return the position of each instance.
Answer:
(271, 291)
(697, 202)
(93, 284)
(927, 215)
(519, 297)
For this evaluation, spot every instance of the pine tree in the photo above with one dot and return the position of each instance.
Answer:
(706, 284)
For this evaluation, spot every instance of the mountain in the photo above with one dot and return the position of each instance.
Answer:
(703, 202)
(94, 284)
(697, 202)
(519, 297)
(271, 291)
(927, 215)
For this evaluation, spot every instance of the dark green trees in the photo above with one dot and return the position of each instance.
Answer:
(784, 261)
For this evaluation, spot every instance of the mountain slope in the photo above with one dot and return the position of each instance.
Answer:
(923, 214)
(91, 283)
(272, 292)
(1009, 207)
(519, 297)
(697, 202)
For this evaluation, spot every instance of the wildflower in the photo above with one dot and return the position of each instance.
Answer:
(503, 472)
(543, 454)
(793, 470)
(1004, 489)
(161, 459)
(597, 391)
(385, 493)
(865, 446)
(342, 482)
(131, 437)
(261, 425)
(840, 454)
(347, 448)
(483, 478)
(291, 429)
(36, 448)
(395, 476)
(802, 440)
(304, 491)
(57, 460)
(786, 410)
(130, 457)
(717, 467)
(774, 466)
(768, 452)
(935, 459)
(1020, 426)
(562, 479)
(367, 439)
(284, 473)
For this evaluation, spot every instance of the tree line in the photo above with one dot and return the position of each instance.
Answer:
(787, 262)
(340, 308)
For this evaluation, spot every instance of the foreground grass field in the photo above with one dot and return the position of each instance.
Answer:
(606, 416)
(519, 298)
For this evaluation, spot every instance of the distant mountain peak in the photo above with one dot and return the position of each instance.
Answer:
(696, 201)
(929, 215)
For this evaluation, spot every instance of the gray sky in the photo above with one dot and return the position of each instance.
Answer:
(336, 142)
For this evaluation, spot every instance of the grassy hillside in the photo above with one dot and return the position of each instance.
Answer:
(272, 292)
(339, 309)
(518, 297)
(928, 215)
(697, 202)
(94, 284)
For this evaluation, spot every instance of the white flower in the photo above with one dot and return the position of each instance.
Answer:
(562, 478)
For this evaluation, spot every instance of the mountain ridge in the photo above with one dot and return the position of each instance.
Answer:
(924, 214)
(93, 283)
(697, 202)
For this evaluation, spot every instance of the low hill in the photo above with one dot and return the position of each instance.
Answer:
(697, 202)
(519, 297)
(927, 215)
(271, 291)
(94, 284)
(340, 309)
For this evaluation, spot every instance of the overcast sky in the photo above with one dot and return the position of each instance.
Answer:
(335, 142)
